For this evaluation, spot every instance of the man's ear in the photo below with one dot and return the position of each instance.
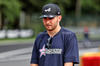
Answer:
(59, 17)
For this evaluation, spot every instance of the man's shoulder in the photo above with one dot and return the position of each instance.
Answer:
(41, 34)
(67, 32)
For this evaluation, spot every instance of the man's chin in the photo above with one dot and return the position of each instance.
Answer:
(49, 29)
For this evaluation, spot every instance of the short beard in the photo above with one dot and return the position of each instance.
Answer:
(54, 26)
(50, 29)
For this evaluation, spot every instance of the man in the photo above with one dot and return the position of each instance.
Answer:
(56, 46)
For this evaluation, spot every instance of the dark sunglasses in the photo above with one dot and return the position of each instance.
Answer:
(49, 42)
(48, 17)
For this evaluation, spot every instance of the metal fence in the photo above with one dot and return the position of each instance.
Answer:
(23, 33)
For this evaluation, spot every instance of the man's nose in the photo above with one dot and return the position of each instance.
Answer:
(48, 21)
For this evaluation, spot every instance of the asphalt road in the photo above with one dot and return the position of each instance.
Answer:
(19, 63)
(26, 62)
(5, 48)
(16, 63)
(15, 46)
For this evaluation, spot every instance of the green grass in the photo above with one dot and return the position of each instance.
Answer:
(2, 41)
(92, 37)
(7, 41)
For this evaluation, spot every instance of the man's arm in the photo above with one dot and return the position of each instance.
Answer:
(34, 64)
(68, 64)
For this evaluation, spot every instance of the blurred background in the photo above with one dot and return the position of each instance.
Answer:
(20, 24)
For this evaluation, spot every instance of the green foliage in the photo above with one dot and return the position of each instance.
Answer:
(36, 5)
(68, 8)
(38, 28)
(91, 5)
(10, 9)
(37, 25)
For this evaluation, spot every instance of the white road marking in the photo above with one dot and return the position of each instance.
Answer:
(15, 52)
(22, 54)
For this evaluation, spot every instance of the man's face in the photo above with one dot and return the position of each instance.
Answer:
(51, 23)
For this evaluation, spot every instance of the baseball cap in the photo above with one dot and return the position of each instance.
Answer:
(50, 10)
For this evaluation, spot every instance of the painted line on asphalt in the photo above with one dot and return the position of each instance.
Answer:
(15, 58)
(22, 54)
(15, 52)
(82, 51)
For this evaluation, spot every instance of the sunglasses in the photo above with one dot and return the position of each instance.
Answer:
(48, 17)
(49, 42)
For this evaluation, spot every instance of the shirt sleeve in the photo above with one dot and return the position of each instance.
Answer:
(71, 49)
(34, 57)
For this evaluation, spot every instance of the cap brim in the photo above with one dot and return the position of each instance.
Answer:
(51, 16)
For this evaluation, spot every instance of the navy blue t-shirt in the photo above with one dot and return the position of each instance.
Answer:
(63, 48)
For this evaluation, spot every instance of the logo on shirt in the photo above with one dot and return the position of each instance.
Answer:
(45, 51)
(48, 10)
(42, 51)
(53, 51)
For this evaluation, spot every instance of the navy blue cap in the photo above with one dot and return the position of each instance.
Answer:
(50, 10)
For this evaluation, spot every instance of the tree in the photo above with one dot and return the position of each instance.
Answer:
(73, 8)
(91, 6)
(0, 19)
(10, 9)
